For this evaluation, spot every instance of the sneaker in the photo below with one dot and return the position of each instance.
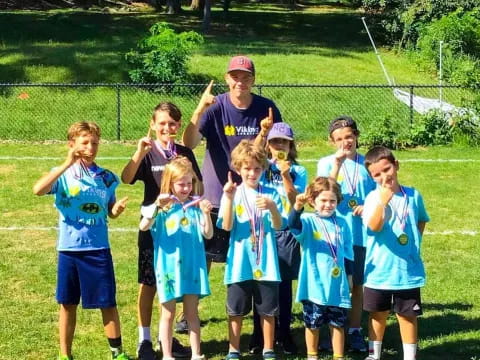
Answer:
(180, 351)
(269, 355)
(145, 351)
(255, 346)
(288, 345)
(181, 327)
(122, 356)
(233, 356)
(357, 342)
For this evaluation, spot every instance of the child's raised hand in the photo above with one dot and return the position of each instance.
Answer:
(145, 143)
(162, 200)
(300, 201)
(264, 203)
(230, 187)
(386, 191)
(267, 123)
(74, 153)
(119, 206)
(207, 98)
(284, 166)
(341, 154)
(206, 206)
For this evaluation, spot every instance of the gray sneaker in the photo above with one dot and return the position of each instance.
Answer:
(357, 342)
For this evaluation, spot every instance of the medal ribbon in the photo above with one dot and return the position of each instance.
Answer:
(170, 153)
(352, 185)
(333, 246)
(402, 217)
(254, 216)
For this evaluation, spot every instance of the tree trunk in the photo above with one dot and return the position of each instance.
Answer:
(173, 7)
(206, 15)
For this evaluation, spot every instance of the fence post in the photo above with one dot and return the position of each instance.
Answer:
(259, 90)
(117, 87)
(411, 105)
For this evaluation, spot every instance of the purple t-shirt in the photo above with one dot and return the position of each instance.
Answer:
(223, 126)
(151, 169)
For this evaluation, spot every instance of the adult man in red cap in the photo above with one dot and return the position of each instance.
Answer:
(223, 121)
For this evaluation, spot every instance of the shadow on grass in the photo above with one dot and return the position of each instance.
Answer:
(90, 46)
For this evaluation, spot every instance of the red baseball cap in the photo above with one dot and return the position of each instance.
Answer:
(241, 63)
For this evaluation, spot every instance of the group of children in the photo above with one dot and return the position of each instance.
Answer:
(361, 243)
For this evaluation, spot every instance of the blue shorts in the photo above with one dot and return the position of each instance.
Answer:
(314, 315)
(86, 274)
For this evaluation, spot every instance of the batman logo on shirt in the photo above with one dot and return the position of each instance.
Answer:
(90, 208)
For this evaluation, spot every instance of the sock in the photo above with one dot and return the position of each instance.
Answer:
(375, 349)
(267, 350)
(337, 357)
(409, 351)
(351, 330)
(144, 334)
(312, 356)
(115, 346)
(232, 350)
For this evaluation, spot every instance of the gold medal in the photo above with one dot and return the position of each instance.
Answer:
(184, 221)
(352, 203)
(403, 239)
(281, 155)
(257, 274)
(336, 271)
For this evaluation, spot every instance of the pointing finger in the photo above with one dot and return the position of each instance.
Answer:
(208, 90)
(149, 133)
(270, 114)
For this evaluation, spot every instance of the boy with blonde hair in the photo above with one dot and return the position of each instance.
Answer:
(84, 196)
(251, 213)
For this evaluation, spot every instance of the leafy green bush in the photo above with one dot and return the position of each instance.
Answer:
(460, 32)
(383, 133)
(162, 56)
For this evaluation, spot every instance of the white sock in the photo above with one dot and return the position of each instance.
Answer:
(144, 334)
(375, 349)
(409, 351)
(266, 350)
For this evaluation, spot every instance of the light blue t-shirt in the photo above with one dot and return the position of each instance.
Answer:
(363, 185)
(272, 178)
(82, 197)
(315, 281)
(247, 260)
(179, 254)
(393, 263)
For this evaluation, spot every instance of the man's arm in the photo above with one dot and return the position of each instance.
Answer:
(191, 136)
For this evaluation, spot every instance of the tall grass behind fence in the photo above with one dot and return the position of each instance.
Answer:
(39, 112)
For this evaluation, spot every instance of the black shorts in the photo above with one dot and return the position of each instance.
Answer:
(146, 271)
(216, 248)
(288, 254)
(404, 302)
(356, 268)
(263, 293)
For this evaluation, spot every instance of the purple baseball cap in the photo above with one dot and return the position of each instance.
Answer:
(242, 63)
(280, 130)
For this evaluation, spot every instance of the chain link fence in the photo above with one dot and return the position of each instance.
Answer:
(38, 112)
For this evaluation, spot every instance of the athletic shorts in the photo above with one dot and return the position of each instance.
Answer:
(86, 274)
(356, 268)
(146, 271)
(314, 315)
(216, 248)
(404, 302)
(263, 293)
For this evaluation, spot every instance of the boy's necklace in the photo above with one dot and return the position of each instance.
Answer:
(169, 153)
(333, 245)
(401, 216)
(352, 182)
(257, 230)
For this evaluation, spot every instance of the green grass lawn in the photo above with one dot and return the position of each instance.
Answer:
(450, 325)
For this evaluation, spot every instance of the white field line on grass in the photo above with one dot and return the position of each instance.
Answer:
(132, 229)
(42, 158)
